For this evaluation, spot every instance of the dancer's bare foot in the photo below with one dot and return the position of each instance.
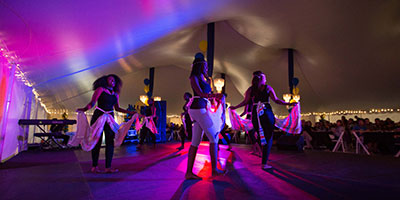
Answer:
(266, 166)
(111, 170)
(95, 170)
(218, 172)
(191, 176)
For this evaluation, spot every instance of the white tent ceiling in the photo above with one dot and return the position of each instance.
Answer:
(346, 52)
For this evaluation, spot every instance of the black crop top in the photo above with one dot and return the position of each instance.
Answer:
(106, 101)
(262, 96)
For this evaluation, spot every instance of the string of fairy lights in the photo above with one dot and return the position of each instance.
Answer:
(350, 112)
(13, 60)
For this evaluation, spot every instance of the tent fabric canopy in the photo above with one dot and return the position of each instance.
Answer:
(346, 52)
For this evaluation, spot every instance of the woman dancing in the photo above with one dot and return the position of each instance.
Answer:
(261, 92)
(202, 120)
(106, 94)
(187, 122)
(149, 113)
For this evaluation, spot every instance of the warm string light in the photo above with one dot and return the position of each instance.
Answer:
(344, 112)
(58, 111)
(13, 60)
(173, 116)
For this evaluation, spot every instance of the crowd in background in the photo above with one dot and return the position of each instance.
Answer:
(358, 125)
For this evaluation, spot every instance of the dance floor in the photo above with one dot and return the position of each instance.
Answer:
(159, 174)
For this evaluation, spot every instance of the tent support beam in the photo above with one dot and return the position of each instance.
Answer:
(151, 77)
(210, 47)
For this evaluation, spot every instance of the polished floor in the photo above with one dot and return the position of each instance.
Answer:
(159, 174)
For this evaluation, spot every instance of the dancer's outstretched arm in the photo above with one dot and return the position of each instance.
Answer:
(276, 100)
(245, 101)
(92, 102)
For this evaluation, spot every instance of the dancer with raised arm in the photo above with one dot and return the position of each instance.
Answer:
(259, 93)
(202, 116)
(106, 94)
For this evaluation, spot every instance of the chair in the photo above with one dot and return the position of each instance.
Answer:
(359, 143)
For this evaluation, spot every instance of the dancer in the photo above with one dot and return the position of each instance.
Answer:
(106, 94)
(186, 121)
(149, 125)
(261, 92)
(202, 117)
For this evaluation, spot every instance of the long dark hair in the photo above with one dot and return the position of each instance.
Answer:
(256, 82)
(102, 82)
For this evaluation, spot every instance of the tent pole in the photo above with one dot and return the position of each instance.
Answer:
(151, 77)
(210, 47)
(28, 108)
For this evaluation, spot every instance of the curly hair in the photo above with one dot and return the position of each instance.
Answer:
(102, 82)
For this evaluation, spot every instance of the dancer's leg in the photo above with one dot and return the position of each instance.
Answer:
(96, 152)
(153, 137)
(267, 121)
(266, 149)
(183, 136)
(197, 135)
(189, 127)
(143, 135)
(191, 158)
(214, 159)
(109, 136)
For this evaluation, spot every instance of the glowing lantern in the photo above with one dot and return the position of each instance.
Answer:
(219, 84)
(287, 97)
(143, 98)
(296, 97)
(157, 98)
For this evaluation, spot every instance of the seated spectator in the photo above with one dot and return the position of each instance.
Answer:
(327, 125)
(350, 124)
(306, 130)
(368, 124)
(339, 129)
(389, 125)
(360, 127)
(58, 128)
(378, 124)
(319, 128)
